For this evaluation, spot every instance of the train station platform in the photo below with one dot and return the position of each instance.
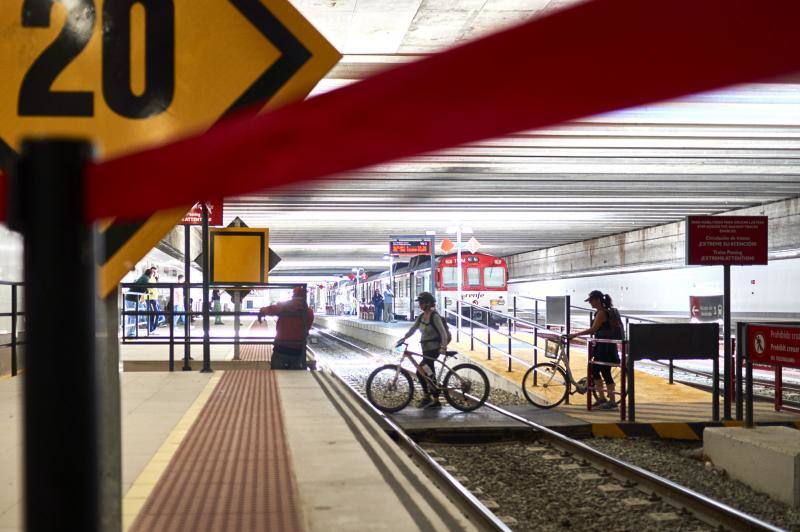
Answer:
(662, 410)
(249, 449)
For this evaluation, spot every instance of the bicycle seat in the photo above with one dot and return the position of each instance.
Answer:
(451, 353)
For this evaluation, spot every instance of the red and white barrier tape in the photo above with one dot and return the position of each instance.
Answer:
(596, 57)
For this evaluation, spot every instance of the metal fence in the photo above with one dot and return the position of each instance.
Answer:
(16, 318)
(136, 312)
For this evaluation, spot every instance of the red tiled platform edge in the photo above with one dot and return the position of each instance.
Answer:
(232, 471)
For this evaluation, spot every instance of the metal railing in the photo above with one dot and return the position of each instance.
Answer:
(468, 313)
(137, 294)
(14, 342)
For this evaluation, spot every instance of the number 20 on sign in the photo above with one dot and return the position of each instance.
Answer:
(132, 73)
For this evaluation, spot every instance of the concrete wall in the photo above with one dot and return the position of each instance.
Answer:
(652, 248)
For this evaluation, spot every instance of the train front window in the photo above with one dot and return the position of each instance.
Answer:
(449, 276)
(473, 276)
(494, 277)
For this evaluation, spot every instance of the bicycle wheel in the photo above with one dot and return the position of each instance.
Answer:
(466, 387)
(390, 388)
(545, 385)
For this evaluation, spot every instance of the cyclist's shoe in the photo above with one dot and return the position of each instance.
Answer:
(607, 405)
(426, 401)
(435, 403)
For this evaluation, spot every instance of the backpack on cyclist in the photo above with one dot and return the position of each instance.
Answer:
(446, 328)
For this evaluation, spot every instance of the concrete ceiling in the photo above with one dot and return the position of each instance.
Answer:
(702, 154)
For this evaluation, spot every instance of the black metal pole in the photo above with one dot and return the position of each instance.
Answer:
(726, 339)
(206, 299)
(715, 389)
(671, 371)
(568, 323)
(46, 204)
(488, 337)
(749, 393)
(739, 358)
(13, 330)
(631, 388)
(187, 308)
(171, 316)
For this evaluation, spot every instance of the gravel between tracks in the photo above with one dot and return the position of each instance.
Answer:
(545, 491)
(670, 460)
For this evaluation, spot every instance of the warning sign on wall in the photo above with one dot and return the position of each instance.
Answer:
(776, 345)
(731, 240)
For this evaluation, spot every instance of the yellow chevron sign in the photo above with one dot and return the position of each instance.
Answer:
(129, 74)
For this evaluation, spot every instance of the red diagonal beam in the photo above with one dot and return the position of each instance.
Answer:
(595, 57)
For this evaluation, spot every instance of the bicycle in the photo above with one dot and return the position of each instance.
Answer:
(391, 387)
(548, 384)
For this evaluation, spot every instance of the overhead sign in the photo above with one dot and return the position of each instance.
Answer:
(195, 214)
(776, 345)
(726, 240)
(706, 308)
(410, 247)
(238, 255)
(133, 73)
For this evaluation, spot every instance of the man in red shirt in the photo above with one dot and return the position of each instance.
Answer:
(294, 321)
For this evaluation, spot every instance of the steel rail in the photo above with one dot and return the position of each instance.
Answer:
(467, 503)
(704, 508)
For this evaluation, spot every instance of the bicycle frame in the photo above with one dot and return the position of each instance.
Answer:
(432, 380)
(562, 361)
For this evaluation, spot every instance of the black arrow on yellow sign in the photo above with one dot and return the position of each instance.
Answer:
(293, 56)
(189, 82)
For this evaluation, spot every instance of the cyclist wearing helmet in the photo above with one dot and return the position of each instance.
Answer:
(433, 341)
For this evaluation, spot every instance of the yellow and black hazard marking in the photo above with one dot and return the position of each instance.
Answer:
(671, 431)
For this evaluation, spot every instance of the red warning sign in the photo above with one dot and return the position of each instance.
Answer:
(721, 240)
(776, 345)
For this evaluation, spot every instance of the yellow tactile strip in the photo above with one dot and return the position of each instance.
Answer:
(143, 485)
(232, 471)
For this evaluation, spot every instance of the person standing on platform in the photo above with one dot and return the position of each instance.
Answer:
(177, 303)
(388, 301)
(607, 325)
(377, 304)
(295, 318)
(216, 300)
(152, 301)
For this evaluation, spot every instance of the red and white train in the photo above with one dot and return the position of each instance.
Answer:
(484, 283)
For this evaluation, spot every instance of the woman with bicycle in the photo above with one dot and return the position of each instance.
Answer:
(607, 325)
(433, 341)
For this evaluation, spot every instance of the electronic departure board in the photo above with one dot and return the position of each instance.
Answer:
(410, 247)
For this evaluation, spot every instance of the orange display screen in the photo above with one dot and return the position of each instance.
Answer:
(410, 247)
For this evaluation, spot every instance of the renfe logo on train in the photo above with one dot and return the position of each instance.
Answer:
(776, 345)
(726, 240)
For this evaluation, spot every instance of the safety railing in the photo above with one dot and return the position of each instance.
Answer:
(465, 313)
(622, 348)
(468, 313)
(135, 311)
(15, 316)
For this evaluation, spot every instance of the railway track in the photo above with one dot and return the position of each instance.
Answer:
(793, 389)
(656, 488)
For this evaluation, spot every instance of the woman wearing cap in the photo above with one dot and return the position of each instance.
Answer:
(433, 341)
(607, 325)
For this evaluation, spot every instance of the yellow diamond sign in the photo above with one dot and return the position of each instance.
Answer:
(132, 73)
